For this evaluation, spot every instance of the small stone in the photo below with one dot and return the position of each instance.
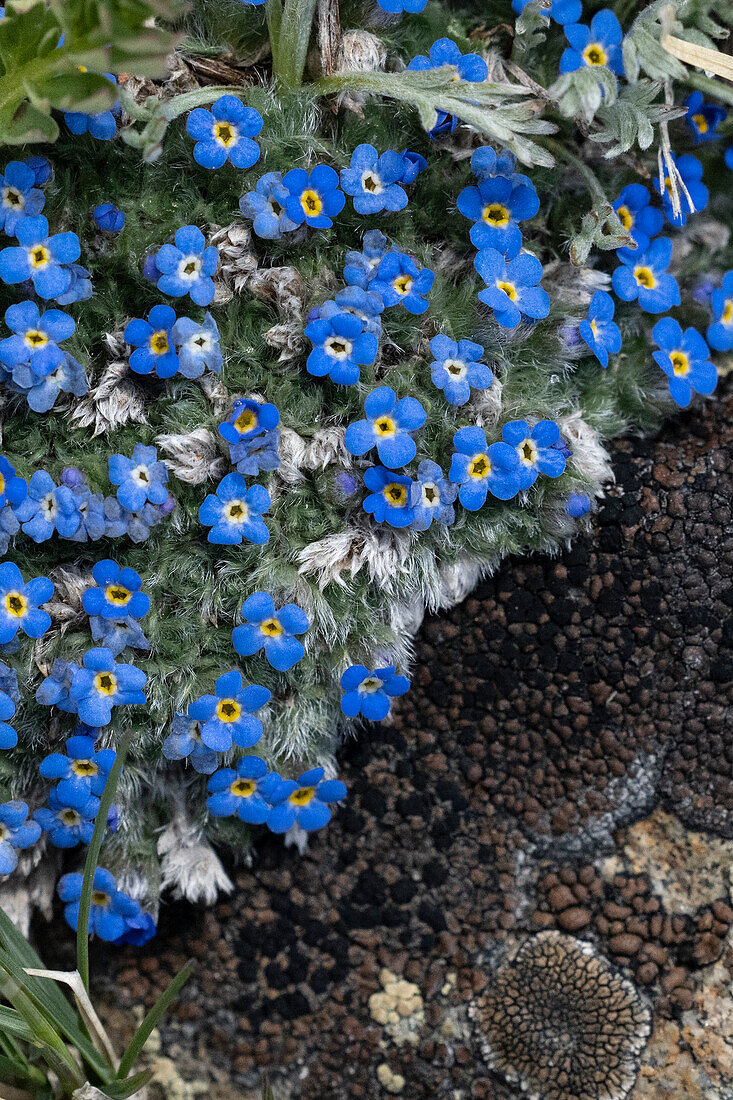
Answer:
(572, 920)
(625, 944)
(390, 1082)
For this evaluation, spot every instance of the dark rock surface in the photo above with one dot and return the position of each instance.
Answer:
(563, 701)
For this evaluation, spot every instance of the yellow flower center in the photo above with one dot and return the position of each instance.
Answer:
(508, 288)
(311, 202)
(495, 214)
(4, 832)
(12, 197)
(645, 277)
(228, 710)
(118, 594)
(395, 494)
(243, 788)
(2, 484)
(479, 466)
(16, 604)
(594, 329)
(236, 511)
(302, 796)
(82, 68)
(385, 426)
(84, 768)
(159, 342)
(100, 899)
(625, 217)
(225, 134)
(105, 683)
(403, 284)
(701, 123)
(527, 452)
(727, 315)
(594, 54)
(40, 257)
(35, 339)
(246, 421)
(70, 817)
(272, 628)
(371, 183)
(668, 185)
(338, 348)
(370, 685)
(680, 363)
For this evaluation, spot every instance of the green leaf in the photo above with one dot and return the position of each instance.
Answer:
(25, 123)
(118, 1090)
(153, 1018)
(27, 35)
(12, 1023)
(88, 93)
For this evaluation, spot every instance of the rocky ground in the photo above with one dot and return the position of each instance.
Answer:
(560, 771)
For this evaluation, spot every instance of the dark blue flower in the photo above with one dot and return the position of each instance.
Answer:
(41, 258)
(305, 801)
(720, 332)
(703, 119)
(15, 833)
(479, 469)
(153, 343)
(431, 497)
(118, 593)
(387, 428)
(537, 448)
(577, 505)
(13, 489)
(470, 67)
(368, 692)
(109, 217)
(374, 181)
(240, 791)
(19, 196)
(394, 7)
(8, 736)
(42, 390)
(235, 512)
(265, 206)
(599, 331)
(56, 688)
(249, 418)
(313, 198)
(562, 11)
(81, 771)
(496, 207)
(389, 497)
(457, 367)
(690, 171)
(103, 684)
(225, 133)
(487, 163)
(399, 281)
(102, 125)
(340, 347)
(116, 634)
(47, 508)
(41, 169)
(20, 603)
(111, 913)
(412, 165)
(361, 267)
(640, 220)
(90, 509)
(642, 276)
(511, 286)
(36, 338)
(141, 927)
(197, 346)
(598, 45)
(187, 266)
(364, 304)
(184, 742)
(729, 157)
(271, 630)
(140, 478)
(685, 359)
(228, 717)
(256, 455)
(80, 287)
(68, 825)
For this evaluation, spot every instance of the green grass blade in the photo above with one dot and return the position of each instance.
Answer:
(12, 1023)
(153, 1018)
(21, 952)
(82, 930)
(118, 1090)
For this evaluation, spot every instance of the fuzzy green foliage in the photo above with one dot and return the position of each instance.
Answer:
(196, 589)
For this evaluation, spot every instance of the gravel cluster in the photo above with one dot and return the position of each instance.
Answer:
(566, 697)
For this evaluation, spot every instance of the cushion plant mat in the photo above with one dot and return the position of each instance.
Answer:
(571, 710)
(364, 586)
